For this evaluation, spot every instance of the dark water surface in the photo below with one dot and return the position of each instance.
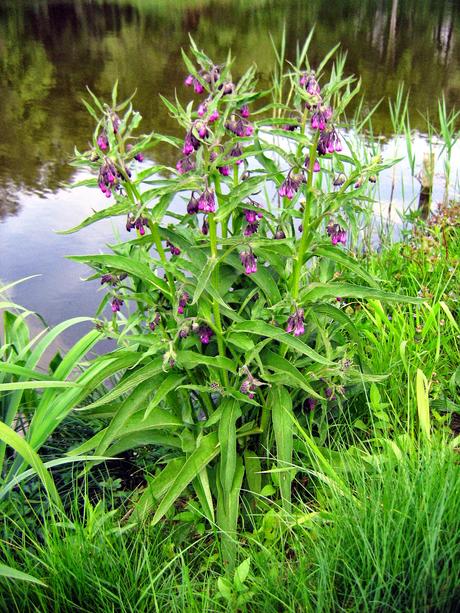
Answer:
(50, 50)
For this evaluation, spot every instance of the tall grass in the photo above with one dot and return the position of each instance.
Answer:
(391, 546)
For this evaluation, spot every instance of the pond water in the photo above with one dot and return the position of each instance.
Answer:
(51, 50)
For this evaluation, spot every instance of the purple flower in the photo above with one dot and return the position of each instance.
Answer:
(250, 384)
(103, 141)
(202, 109)
(191, 143)
(329, 142)
(251, 215)
(329, 393)
(117, 303)
(316, 165)
(198, 88)
(337, 234)
(182, 303)
(309, 404)
(279, 234)
(184, 332)
(205, 333)
(154, 323)
(251, 228)
(236, 152)
(115, 122)
(214, 116)
(138, 224)
(188, 82)
(244, 111)
(339, 180)
(290, 185)
(310, 83)
(192, 206)
(205, 227)
(249, 262)
(239, 126)
(110, 279)
(185, 165)
(227, 88)
(108, 177)
(295, 323)
(172, 248)
(320, 118)
(290, 127)
(207, 201)
(203, 131)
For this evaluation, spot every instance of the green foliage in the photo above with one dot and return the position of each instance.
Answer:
(233, 333)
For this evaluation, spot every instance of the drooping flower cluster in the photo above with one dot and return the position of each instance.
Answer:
(337, 234)
(117, 303)
(309, 82)
(138, 224)
(252, 218)
(249, 261)
(295, 323)
(239, 125)
(205, 334)
(250, 384)
(185, 164)
(328, 142)
(290, 186)
(108, 177)
(172, 248)
(155, 321)
(207, 201)
(182, 303)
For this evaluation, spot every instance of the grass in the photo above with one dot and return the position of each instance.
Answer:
(392, 546)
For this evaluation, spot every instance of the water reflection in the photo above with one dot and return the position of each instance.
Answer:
(49, 51)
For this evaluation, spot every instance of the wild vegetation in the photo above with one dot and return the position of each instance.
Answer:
(276, 427)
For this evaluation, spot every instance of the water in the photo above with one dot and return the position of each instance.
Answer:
(50, 50)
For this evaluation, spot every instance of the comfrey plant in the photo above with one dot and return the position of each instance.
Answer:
(226, 302)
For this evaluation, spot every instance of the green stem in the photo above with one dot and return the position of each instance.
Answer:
(161, 252)
(215, 280)
(304, 240)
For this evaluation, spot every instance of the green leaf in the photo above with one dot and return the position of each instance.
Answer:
(276, 362)
(12, 573)
(126, 264)
(203, 279)
(227, 439)
(267, 330)
(207, 449)
(191, 359)
(318, 291)
(282, 419)
(339, 256)
(119, 208)
(423, 405)
(172, 381)
(22, 447)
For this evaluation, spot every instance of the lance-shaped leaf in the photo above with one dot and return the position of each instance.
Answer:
(207, 449)
(262, 328)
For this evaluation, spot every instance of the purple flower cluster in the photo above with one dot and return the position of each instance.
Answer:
(239, 125)
(108, 177)
(185, 164)
(117, 303)
(252, 218)
(249, 261)
(172, 248)
(103, 141)
(309, 82)
(155, 321)
(291, 184)
(295, 323)
(320, 117)
(224, 170)
(182, 303)
(207, 201)
(337, 234)
(205, 333)
(329, 142)
(138, 224)
(316, 164)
